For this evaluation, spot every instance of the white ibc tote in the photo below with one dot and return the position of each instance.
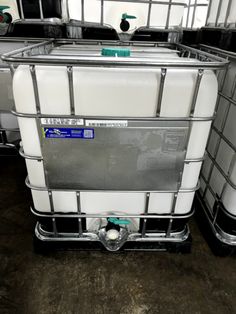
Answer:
(222, 13)
(8, 122)
(195, 14)
(218, 177)
(153, 105)
(161, 14)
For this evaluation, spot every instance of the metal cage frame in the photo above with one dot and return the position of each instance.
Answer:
(26, 56)
(212, 217)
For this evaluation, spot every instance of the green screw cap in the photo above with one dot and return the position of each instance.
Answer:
(114, 52)
(117, 221)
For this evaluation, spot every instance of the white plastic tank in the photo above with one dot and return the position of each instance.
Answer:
(7, 120)
(219, 168)
(223, 13)
(115, 92)
(195, 18)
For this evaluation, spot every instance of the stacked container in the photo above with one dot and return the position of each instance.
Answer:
(218, 177)
(114, 136)
(126, 17)
(220, 30)
(9, 132)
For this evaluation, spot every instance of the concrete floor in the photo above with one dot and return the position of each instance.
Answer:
(94, 282)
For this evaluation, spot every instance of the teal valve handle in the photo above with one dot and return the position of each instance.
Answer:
(3, 7)
(125, 16)
(117, 221)
(5, 17)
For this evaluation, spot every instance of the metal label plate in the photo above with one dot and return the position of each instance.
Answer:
(133, 158)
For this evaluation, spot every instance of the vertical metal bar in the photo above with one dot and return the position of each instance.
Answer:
(3, 137)
(168, 15)
(41, 10)
(35, 86)
(161, 89)
(149, 13)
(51, 201)
(145, 212)
(102, 12)
(12, 69)
(67, 11)
(21, 10)
(71, 89)
(208, 11)
(218, 144)
(82, 11)
(168, 232)
(54, 225)
(189, 2)
(233, 88)
(218, 12)
(227, 13)
(196, 90)
(194, 13)
(79, 212)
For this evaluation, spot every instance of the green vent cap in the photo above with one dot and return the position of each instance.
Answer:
(114, 52)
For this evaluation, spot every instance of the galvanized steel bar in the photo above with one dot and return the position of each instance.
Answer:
(102, 12)
(79, 213)
(21, 10)
(168, 14)
(145, 213)
(160, 92)
(227, 13)
(218, 13)
(149, 13)
(71, 89)
(41, 10)
(82, 11)
(35, 87)
(196, 90)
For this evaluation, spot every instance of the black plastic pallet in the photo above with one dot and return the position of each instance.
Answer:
(217, 247)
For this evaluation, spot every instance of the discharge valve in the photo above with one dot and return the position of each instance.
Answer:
(124, 25)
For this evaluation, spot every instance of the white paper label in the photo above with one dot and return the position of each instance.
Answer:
(107, 123)
(61, 121)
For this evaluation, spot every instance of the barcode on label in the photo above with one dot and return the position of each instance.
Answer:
(107, 123)
(61, 121)
(88, 134)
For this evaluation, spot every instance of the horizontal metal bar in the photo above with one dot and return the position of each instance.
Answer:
(222, 136)
(20, 39)
(8, 145)
(9, 130)
(226, 176)
(38, 158)
(224, 53)
(140, 216)
(150, 1)
(110, 191)
(112, 62)
(29, 115)
(89, 236)
(230, 99)
(22, 154)
(198, 5)
(213, 62)
(209, 187)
